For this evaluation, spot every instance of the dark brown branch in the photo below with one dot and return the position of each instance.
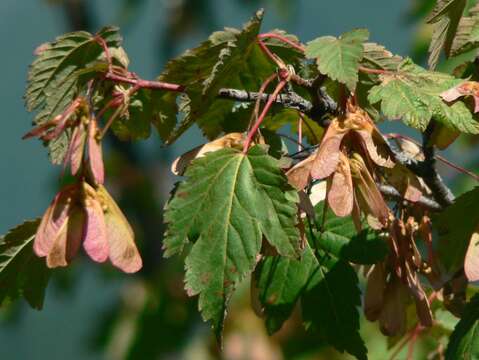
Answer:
(441, 192)
(391, 192)
(290, 100)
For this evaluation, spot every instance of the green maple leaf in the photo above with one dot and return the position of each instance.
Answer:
(228, 202)
(329, 294)
(464, 340)
(326, 286)
(22, 273)
(59, 73)
(330, 304)
(280, 282)
(413, 94)
(455, 229)
(339, 58)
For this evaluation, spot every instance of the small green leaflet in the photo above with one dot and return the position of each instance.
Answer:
(22, 273)
(228, 202)
(339, 58)
(58, 74)
(412, 93)
(446, 16)
(464, 340)
(455, 229)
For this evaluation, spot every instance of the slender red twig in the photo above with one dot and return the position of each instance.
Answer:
(266, 108)
(271, 55)
(300, 132)
(282, 38)
(146, 84)
(261, 91)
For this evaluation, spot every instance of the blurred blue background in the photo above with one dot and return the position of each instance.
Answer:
(27, 184)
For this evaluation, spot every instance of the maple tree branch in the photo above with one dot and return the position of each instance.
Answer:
(290, 100)
(391, 192)
(433, 180)
(425, 169)
(146, 84)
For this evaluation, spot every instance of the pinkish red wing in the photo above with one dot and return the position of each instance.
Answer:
(327, 158)
(300, 174)
(76, 149)
(53, 220)
(123, 252)
(95, 241)
(471, 262)
(95, 155)
(340, 189)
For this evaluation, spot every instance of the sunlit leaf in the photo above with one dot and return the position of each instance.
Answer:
(229, 201)
(339, 58)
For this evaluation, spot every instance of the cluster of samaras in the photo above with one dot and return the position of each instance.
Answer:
(83, 212)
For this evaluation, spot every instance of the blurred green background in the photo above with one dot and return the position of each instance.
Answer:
(93, 312)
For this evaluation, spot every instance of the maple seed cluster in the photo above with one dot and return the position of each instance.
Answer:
(83, 212)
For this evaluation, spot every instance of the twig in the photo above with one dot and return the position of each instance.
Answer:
(391, 192)
(254, 129)
(290, 100)
(145, 84)
(297, 46)
(438, 157)
(440, 191)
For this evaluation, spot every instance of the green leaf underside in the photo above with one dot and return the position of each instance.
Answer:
(412, 94)
(229, 58)
(330, 306)
(57, 75)
(339, 58)
(340, 238)
(446, 16)
(228, 202)
(329, 295)
(455, 229)
(22, 273)
(281, 281)
(464, 340)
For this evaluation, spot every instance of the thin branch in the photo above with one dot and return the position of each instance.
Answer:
(441, 192)
(290, 100)
(297, 46)
(391, 192)
(254, 129)
(146, 84)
